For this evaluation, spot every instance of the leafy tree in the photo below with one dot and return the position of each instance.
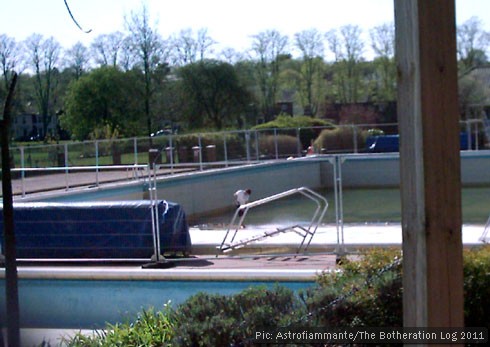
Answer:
(104, 97)
(214, 93)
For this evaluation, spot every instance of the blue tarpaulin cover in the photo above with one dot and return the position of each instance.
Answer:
(112, 230)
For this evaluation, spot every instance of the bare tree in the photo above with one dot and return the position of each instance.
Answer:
(204, 43)
(107, 47)
(10, 56)
(472, 44)
(188, 48)
(347, 46)
(230, 55)
(269, 48)
(383, 45)
(77, 58)
(310, 44)
(148, 48)
(43, 57)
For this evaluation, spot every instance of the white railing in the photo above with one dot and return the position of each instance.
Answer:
(125, 172)
(306, 232)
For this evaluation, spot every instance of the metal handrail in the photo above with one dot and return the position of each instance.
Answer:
(321, 209)
(66, 169)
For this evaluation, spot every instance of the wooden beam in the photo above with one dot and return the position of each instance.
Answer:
(430, 163)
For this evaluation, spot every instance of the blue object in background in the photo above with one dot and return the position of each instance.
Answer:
(390, 143)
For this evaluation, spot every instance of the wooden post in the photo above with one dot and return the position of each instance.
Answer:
(430, 163)
(11, 290)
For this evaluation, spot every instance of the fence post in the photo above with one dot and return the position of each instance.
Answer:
(276, 149)
(135, 148)
(22, 173)
(96, 163)
(354, 134)
(66, 166)
(200, 152)
(298, 141)
(225, 149)
(257, 153)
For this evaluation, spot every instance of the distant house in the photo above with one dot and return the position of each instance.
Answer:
(29, 126)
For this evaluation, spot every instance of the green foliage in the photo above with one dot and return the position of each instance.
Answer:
(220, 320)
(215, 95)
(367, 292)
(151, 328)
(297, 122)
(477, 287)
(284, 121)
(104, 97)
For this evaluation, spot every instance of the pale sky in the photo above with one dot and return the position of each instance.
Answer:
(230, 23)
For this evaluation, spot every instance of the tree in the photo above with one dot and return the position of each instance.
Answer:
(269, 48)
(472, 42)
(106, 48)
(383, 44)
(213, 92)
(148, 48)
(347, 46)
(310, 44)
(77, 59)
(185, 49)
(105, 97)
(43, 56)
(10, 56)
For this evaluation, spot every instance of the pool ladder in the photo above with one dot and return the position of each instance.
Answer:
(484, 237)
(306, 232)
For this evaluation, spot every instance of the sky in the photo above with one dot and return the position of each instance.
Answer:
(230, 23)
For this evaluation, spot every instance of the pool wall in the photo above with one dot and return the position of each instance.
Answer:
(211, 191)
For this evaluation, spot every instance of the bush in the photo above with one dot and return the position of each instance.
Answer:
(220, 320)
(340, 139)
(367, 293)
(309, 127)
(150, 329)
(286, 145)
(477, 287)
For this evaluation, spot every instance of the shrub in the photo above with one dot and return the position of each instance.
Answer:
(220, 320)
(286, 145)
(151, 328)
(367, 292)
(477, 287)
(340, 139)
(309, 127)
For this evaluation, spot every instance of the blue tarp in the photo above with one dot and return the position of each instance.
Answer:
(389, 143)
(111, 230)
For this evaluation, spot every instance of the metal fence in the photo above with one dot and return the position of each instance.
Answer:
(177, 152)
(201, 148)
